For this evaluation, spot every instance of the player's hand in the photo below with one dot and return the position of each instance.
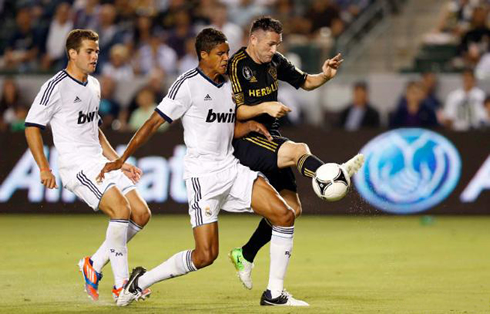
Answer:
(48, 179)
(132, 172)
(110, 166)
(276, 109)
(331, 66)
(259, 128)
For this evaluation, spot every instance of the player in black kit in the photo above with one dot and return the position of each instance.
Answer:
(254, 72)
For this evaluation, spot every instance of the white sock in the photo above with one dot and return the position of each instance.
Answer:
(101, 257)
(280, 249)
(178, 265)
(117, 234)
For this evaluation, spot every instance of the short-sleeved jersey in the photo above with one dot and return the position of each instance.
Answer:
(254, 83)
(208, 116)
(71, 108)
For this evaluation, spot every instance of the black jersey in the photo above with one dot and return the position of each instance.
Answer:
(254, 83)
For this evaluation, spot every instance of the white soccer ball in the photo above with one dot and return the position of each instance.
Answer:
(331, 182)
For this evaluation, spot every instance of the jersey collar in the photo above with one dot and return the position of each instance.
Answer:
(218, 85)
(79, 82)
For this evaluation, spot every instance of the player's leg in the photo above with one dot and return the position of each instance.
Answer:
(298, 154)
(116, 206)
(204, 254)
(140, 215)
(268, 203)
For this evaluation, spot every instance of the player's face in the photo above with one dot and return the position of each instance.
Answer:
(266, 44)
(217, 58)
(86, 58)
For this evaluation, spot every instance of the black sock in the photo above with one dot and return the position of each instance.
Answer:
(308, 164)
(261, 237)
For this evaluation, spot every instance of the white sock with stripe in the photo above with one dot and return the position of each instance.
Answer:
(280, 252)
(116, 238)
(101, 257)
(178, 265)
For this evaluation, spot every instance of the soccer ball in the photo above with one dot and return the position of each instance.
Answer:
(331, 182)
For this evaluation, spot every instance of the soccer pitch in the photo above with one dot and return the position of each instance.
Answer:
(339, 265)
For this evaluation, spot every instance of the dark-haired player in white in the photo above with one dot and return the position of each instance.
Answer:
(214, 178)
(69, 102)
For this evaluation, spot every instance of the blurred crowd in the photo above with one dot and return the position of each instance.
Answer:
(153, 39)
(465, 23)
(463, 109)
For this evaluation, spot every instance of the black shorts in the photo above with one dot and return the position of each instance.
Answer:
(260, 154)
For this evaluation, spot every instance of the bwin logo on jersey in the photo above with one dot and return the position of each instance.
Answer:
(221, 117)
(89, 117)
(408, 170)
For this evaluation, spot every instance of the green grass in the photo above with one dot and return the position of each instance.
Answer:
(339, 265)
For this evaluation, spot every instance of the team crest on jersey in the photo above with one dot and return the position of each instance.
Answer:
(248, 74)
(273, 72)
(207, 211)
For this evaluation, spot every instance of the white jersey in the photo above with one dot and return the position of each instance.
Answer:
(208, 116)
(71, 107)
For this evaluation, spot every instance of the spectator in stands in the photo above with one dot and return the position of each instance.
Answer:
(155, 83)
(9, 102)
(429, 82)
(476, 41)
(109, 107)
(463, 109)
(157, 55)
(118, 68)
(234, 33)
(59, 28)
(86, 13)
(416, 113)
(486, 104)
(245, 11)
(181, 33)
(324, 13)
(22, 48)
(189, 61)
(360, 113)
(146, 106)
(142, 32)
(109, 31)
(454, 21)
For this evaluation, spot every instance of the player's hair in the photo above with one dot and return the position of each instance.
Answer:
(207, 39)
(75, 38)
(267, 24)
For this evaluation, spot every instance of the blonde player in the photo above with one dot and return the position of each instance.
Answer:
(70, 102)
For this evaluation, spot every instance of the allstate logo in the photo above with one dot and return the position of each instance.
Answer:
(408, 170)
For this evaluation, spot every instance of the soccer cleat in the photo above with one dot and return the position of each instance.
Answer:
(242, 266)
(131, 292)
(116, 291)
(354, 164)
(91, 277)
(285, 299)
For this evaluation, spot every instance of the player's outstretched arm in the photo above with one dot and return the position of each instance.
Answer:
(244, 128)
(273, 108)
(35, 142)
(141, 136)
(329, 70)
(132, 172)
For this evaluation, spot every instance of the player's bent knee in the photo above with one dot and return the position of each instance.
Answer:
(141, 215)
(284, 218)
(203, 259)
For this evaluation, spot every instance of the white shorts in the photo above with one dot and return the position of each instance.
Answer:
(230, 190)
(81, 181)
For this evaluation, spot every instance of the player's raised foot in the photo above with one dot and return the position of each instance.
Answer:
(354, 164)
(242, 266)
(131, 292)
(116, 291)
(91, 278)
(284, 299)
